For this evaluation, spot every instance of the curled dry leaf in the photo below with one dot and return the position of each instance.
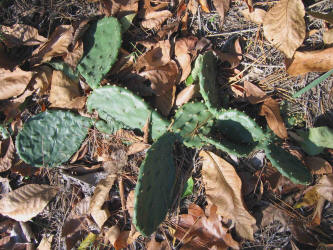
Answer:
(204, 6)
(186, 94)
(222, 6)
(253, 93)
(328, 37)
(137, 147)
(7, 150)
(154, 20)
(72, 58)
(219, 175)
(65, 92)
(57, 45)
(13, 83)
(271, 110)
(325, 187)
(120, 239)
(231, 54)
(101, 193)
(42, 79)
(197, 231)
(310, 61)
(130, 203)
(20, 35)
(318, 165)
(121, 8)
(284, 26)
(26, 202)
(257, 15)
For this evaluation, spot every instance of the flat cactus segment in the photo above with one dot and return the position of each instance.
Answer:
(205, 71)
(191, 120)
(108, 125)
(288, 165)
(156, 184)
(51, 138)
(101, 44)
(126, 108)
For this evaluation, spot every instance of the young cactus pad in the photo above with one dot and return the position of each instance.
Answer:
(101, 44)
(155, 187)
(51, 138)
(127, 108)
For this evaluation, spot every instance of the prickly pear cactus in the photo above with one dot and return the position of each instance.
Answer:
(101, 44)
(51, 138)
(155, 187)
(205, 71)
(191, 120)
(108, 125)
(288, 165)
(126, 108)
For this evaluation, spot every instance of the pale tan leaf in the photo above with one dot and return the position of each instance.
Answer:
(253, 93)
(219, 175)
(154, 20)
(222, 6)
(65, 92)
(42, 79)
(45, 243)
(72, 58)
(121, 8)
(328, 37)
(26, 202)
(193, 6)
(57, 45)
(271, 214)
(204, 6)
(284, 26)
(318, 165)
(130, 203)
(325, 187)
(112, 234)
(7, 150)
(186, 94)
(13, 83)
(310, 61)
(20, 35)
(271, 110)
(137, 147)
(257, 15)
(101, 194)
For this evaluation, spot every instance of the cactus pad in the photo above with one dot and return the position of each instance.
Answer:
(288, 165)
(126, 108)
(156, 184)
(191, 120)
(101, 44)
(51, 138)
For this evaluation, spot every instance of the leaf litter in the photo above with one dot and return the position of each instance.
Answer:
(259, 69)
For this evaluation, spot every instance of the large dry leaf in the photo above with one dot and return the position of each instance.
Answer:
(57, 45)
(186, 94)
(45, 243)
(219, 175)
(325, 187)
(253, 93)
(310, 61)
(101, 194)
(271, 110)
(121, 8)
(65, 92)
(72, 58)
(7, 150)
(198, 231)
(328, 37)
(257, 15)
(284, 26)
(222, 6)
(26, 202)
(13, 83)
(154, 20)
(19, 35)
(42, 79)
(318, 165)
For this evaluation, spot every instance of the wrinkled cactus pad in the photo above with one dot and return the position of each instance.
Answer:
(156, 184)
(51, 138)
(101, 45)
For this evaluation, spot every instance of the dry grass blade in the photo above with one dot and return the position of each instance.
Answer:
(7, 150)
(26, 202)
(284, 26)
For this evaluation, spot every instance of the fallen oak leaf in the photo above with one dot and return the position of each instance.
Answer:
(253, 93)
(284, 26)
(271, 110)
(154, 20)
(7, 150)
(219, 174)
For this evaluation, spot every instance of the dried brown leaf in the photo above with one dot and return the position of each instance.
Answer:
(222, 6)
(310, 61)
(13, 83)
(257, 15)
(57, 45)
(253, 93)
(219, 175)
(318, 165)
(204, 6)
(112, 234)
(101, 193)
(271, 110)
(26, 202)
(45, 243)
(284, 26)
(137, 147)
(65, 92)
(155, 245)
(154, 20)
(7, 150)
(42, 79)
(186, 94)
(72, 58)
(193, 6)
(130, 203)
(328, 37)
(20, 35)
(121, 8)
(271, 214)
(325, 187)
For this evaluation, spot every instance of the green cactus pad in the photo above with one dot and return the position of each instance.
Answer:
(191, 120)
(288, 165)
(51, 138)
(108, 125)
(156, 184)
(126, 108)
(101, 44)
(205, 71)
